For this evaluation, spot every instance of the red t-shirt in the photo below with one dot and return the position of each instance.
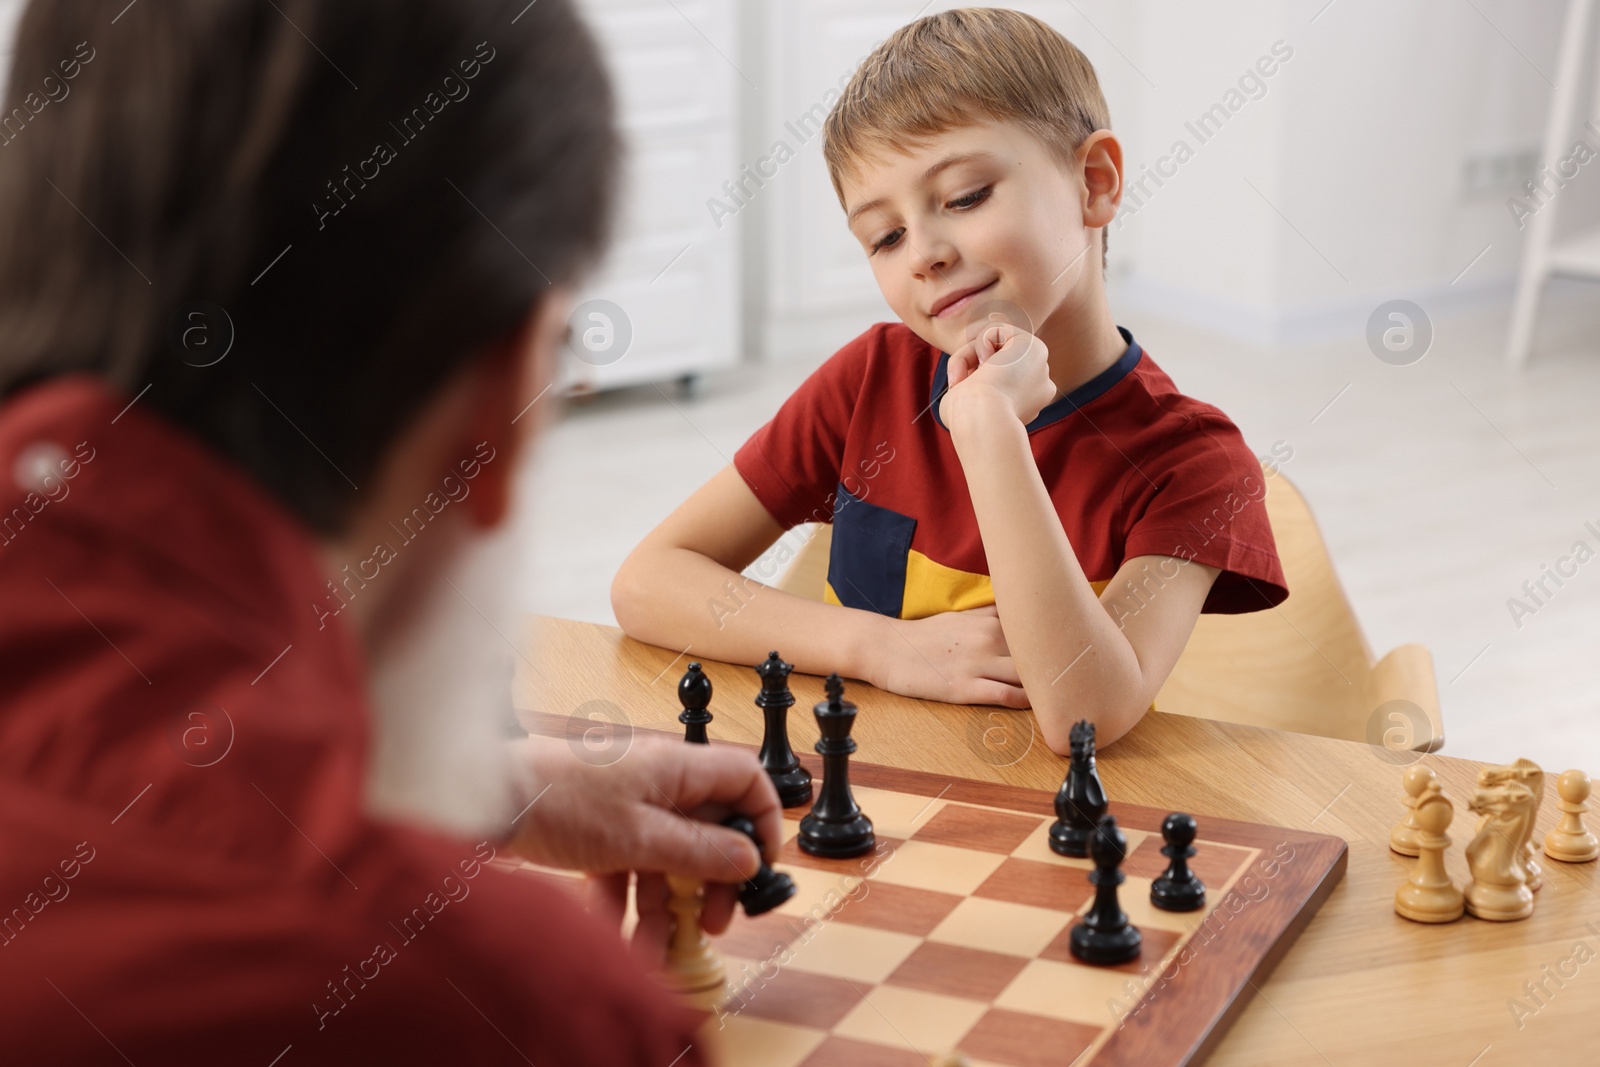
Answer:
(162, 901)
(1133, 467)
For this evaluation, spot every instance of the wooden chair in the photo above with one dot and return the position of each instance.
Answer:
(1303, 666)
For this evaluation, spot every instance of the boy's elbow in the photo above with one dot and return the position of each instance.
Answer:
(1060, 747)
(1113, 728)
(1110, 724)
(1055, 726)
(627, 596)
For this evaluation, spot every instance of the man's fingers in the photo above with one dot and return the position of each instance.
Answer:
(678, 845)
(720, 901)
(728, 778)
(650, 936)
(656, 921)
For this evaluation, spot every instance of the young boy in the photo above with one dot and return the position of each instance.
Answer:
(1025, 510)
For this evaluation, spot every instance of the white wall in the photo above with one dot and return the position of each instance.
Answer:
(1361, 142)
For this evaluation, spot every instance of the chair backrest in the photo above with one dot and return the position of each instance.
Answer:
(1302, 666)
(807, 574)
(1305, 665)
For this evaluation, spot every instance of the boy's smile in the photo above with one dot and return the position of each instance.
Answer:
(985, 219)
(954, 301)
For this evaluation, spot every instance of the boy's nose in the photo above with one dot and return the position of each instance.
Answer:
(932, 256)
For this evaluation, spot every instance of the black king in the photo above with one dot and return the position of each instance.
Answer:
(836, 828)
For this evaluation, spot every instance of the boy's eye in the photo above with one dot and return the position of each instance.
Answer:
(960, 203)
(889, 240)
(972, 199)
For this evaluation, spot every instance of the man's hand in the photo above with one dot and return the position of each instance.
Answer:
(1003, 365)
(959, 657)
(653, 812)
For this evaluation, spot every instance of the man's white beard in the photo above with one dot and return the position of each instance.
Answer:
(441, 672)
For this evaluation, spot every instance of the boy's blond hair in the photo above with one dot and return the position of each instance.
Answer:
(941, 72)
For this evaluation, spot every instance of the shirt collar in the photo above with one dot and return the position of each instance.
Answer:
(1061, 407)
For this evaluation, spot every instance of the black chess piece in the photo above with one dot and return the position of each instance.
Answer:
(1105, 936)
(694, 693)
(1178, 888)
(1081, 800)
(767, 888)
(836, 828)
(792, 780)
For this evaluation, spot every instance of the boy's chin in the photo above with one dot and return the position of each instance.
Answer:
(440, 677)
(936, 334)
(954, 333)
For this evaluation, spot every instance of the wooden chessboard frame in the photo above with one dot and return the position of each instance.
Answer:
(1196, 1005)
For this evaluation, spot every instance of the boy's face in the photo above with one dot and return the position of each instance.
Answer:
(985, 206)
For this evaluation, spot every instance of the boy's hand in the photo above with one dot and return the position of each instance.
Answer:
(959, 657)
(1002, 365)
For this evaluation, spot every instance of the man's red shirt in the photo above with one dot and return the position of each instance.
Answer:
(186, 871)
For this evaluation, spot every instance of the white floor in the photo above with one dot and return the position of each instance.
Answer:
(1440, 487)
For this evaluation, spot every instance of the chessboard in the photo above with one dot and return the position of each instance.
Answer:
(951, 936)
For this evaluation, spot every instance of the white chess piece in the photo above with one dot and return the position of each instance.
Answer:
(1429, 896)
(693, 965)
(1403, 838)
(1499, 887)
(1571, 841)
(1533, 778)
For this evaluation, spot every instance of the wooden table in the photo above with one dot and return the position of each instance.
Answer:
(1360, 986)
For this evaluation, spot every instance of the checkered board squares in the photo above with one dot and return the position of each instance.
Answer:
(953, 933)
(958, 929)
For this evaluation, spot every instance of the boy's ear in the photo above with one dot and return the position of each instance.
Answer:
(511, 405)
(1100, 160)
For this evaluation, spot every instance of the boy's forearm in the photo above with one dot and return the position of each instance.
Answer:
(1073, 660)
(675, 597)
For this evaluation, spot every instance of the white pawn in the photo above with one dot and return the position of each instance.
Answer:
(1429, 896)
(693, 965)
(1571, 841)
(1403, 838)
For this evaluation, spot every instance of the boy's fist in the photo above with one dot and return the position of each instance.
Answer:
(1002, 364)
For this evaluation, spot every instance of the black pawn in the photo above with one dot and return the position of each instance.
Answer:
(836, 828)
(1178, 888)
(1081, 800)
(1105, 936)
(767, 888)
(777, 758)
(694, 693)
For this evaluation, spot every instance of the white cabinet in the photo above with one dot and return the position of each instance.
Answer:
(669, 282)
(814, 47)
